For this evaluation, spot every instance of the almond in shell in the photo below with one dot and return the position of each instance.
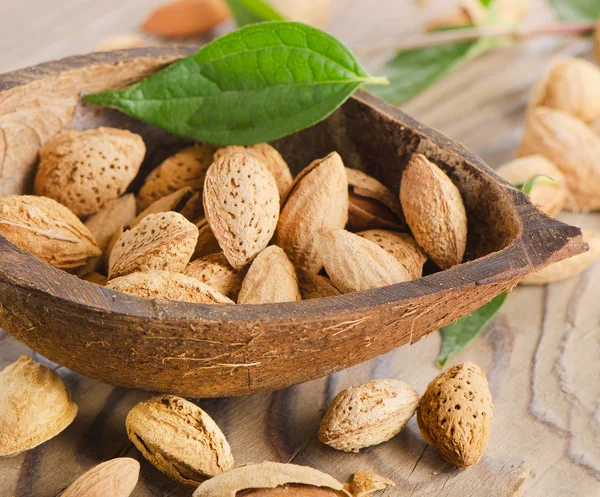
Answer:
(315, 286)
(355, 264)
(317, 199)
(241, 202)
(434, 211)
(215, 271)
(167, 285)
(164, 241)
(367, 414)
(365, 483)
(173, 202)
(179, 439)
(270, 279)
(207, 242)
(455, 414)
(115, 478)
(48, 230)
(35, 406)
(83, 170)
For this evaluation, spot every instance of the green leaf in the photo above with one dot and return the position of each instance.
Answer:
(577, 10)
(458, 335)
(526, 188)
(253, 11)
(256, 84)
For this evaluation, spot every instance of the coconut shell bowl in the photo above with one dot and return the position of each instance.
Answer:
(199, 350)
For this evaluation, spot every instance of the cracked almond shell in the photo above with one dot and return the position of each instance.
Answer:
(241, 202)
(167, 285)
(48, 230)
(434, 211)
(317, 199)
(179, 439)
(164, 241)
(115, 478)
(215, 271)
(367, 414)
(315, 286)
(455, 414)
(365, 483)
(35, 406)
(83, 170)
(252, 479)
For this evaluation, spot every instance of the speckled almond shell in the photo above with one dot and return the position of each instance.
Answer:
(434, 211)
(355, 264)
(455, 414)
(47, 230)
(35, 406)
(115, 478)
(315, 286)
(173, 202)
(271, 158)
(317, 199)
(215, 271)
(270, 279)
(186, 168)
(167, 285)
(164, 241)
(367, 414)
(268, 475)
(179, 439)
(402, 246)
(83, 170)
(241, 202)
(572, 147)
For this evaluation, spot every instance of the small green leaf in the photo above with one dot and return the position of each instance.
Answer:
(253, 11)
(458, 335)
(256, 84)
(577, 10)
(526, 188)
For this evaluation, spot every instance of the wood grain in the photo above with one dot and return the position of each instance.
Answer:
(541, 354)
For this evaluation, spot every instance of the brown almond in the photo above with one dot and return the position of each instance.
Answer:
(164, 241)
(241, 202)
(167, 285)
(215, 271)
(288, 480)
(434, 211)
(572, 86)
(173, 202)
(549, 197)
(179, 439)
(402, 246)
(35, 406)
(270, 279)
(355, 264)
(371, 204)
(271, 158)
(317, 199)
(185, 18)
(83, 170)
(315, 286)
(455, 414)
(115, 478)
(186, 168)
(367, 414)
(207, 243)
(571, 146)
(365, 483)
(46, 229)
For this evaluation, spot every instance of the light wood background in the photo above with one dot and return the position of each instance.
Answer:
(542, 354)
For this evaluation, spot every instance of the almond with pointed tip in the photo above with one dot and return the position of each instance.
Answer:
(215, 271)
(355, 264)
(167, 285)
(48, 230)
(173, 202)
(270, 279)
(571, 146)
(315, 286)
(186, 18)
(365, 483)
(367, 414)
(35, 406)
(317, 199)
(434, 211)
(455, 414)
(241, 202)
(115, 478)
(164, 241)
(83, 170)
(402, 246)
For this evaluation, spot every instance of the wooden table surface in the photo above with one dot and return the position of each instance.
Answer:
(542, 354)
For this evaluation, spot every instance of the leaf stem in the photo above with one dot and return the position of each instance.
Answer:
(471, 34)
(377, 80)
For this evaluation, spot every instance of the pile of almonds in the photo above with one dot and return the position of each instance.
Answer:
(184, 442)
(230, 225)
